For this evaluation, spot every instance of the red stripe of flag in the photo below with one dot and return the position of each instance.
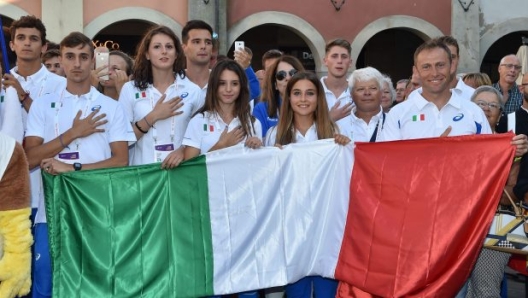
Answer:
(417, 231)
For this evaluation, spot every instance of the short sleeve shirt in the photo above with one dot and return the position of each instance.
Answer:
(331, 99)
(138, 103)
(309, 136)
(358, 130)
(204, 130)
(53, 114)
(418, 118)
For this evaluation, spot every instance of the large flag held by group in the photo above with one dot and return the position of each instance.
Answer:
(410, 221)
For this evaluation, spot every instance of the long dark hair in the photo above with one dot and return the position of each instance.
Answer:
(285, 128)
(271, 94)
(143, 67)
(242, 109)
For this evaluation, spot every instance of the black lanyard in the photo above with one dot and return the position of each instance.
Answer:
(373, 138)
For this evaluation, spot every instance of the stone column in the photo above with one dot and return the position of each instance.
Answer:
(465, 27)
(214, 12)
(62, 17)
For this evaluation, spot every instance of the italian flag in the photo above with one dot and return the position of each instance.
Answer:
(141, 95)
(239, 219)
(420, 117)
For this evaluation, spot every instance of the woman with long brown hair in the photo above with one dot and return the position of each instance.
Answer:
(304, 117)
(225, 118)
(159, 102)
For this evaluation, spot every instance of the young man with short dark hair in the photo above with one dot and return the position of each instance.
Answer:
(76, 128)
(50, 59)
(197, 44)
(337, 59)
(456, 83)
(29, 77)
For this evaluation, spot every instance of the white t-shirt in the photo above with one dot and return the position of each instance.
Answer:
(418, 118)
(358, 130)
(167, 134)
(204, 131)
(465, 91)
(38, 84)
(311, 135)
(203, 90)
(331, 99)
(53, 114)
(11, 122)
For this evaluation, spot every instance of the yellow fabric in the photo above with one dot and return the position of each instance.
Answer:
(15, 265)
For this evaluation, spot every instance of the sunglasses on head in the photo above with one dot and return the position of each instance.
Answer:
(281, 75)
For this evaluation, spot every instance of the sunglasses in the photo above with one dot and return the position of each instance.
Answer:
(281, 75)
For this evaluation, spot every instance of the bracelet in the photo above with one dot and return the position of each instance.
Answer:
(139, 128)
(145, 118)
(62, 142)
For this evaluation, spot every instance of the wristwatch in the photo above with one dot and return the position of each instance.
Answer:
(77, 166)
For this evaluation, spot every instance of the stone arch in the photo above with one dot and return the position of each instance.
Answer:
(12, 11)
(305, 30)
(499, 30)
(421, 28)
(131, 13)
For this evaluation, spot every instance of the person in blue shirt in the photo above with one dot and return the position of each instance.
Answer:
(267, 111)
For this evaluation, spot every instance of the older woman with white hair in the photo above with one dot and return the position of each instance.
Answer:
(388, 94)
(366, 120)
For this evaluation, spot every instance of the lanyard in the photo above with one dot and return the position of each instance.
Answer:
(377, 131)
(59, 107)
(42, 84)
(173, 118)
(32, 83)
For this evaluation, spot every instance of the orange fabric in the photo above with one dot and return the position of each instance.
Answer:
(419, 211)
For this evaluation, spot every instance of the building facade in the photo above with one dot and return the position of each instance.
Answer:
(383, 33)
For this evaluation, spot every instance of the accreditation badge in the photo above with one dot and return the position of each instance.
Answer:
(162, 151)
(68, 157)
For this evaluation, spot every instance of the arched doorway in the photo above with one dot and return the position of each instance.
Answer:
(391, 52)
(508, 44)
(273, 36)
(11, 57)
(123, 35)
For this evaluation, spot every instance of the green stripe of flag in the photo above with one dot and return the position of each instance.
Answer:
(229, 226)
(162, 259)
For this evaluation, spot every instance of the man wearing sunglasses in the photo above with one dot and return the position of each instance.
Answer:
(337, 59)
